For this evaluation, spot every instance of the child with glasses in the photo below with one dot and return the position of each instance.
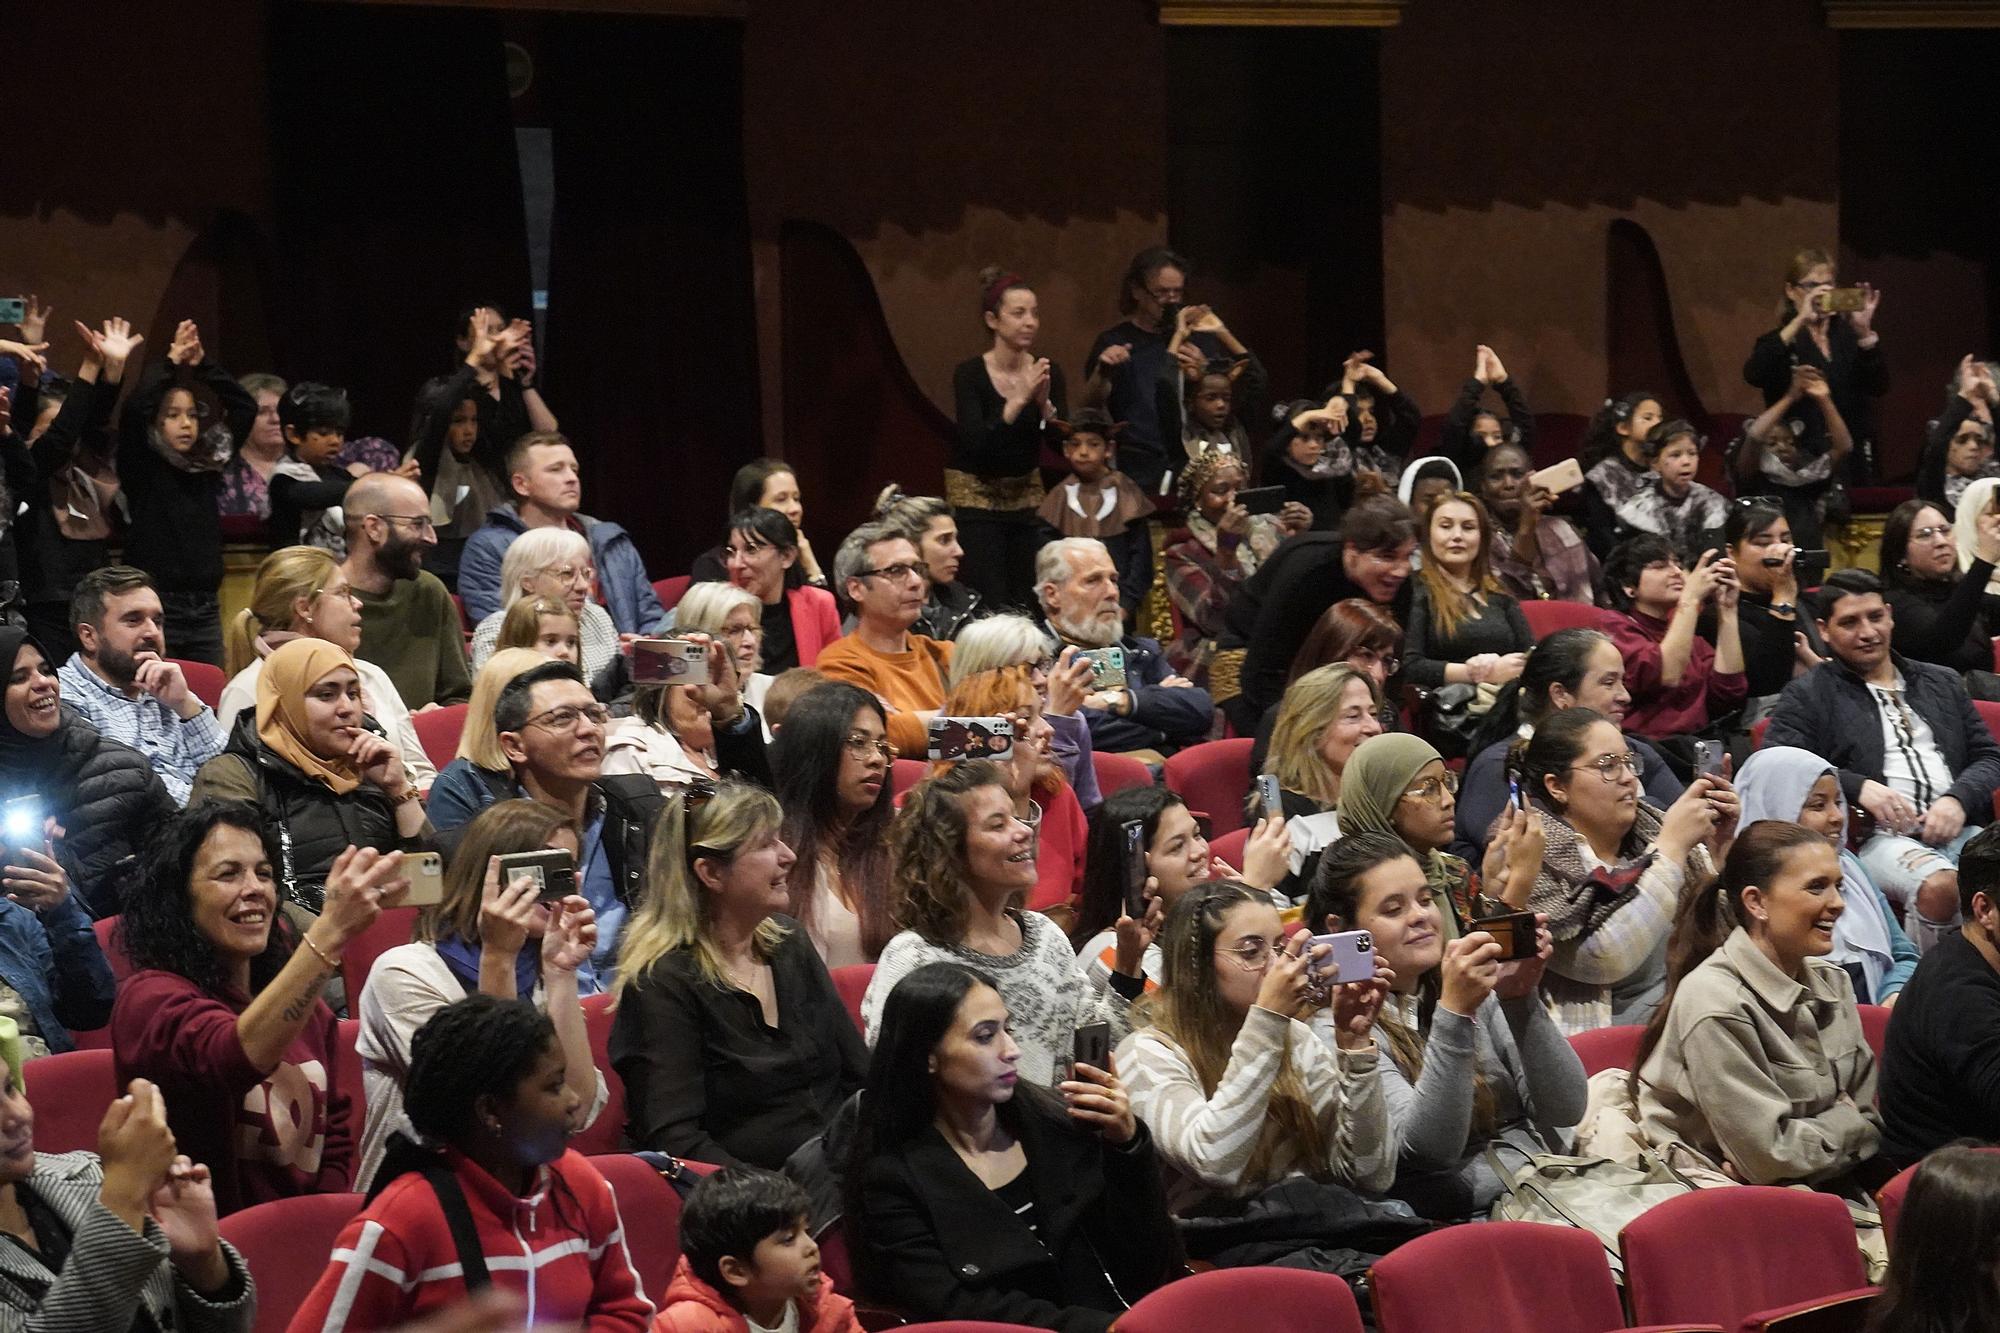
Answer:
(1612, 866)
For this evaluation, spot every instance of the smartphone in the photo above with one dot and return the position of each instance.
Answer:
(669, 662)
(1269, 795)
(1707, 757)
(1564, 476)
(426, 871)
(1133, 841)
(1514, 796)
(1842, 299)
(1515, 931)
(955, 738)
(1262, 499)
(13, 309)
(1809, 568)
(21, 821)
(553, 870)
(1107, 667)
(1093, 1045)
(1353, 954)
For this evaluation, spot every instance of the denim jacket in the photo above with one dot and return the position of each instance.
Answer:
(54, 962)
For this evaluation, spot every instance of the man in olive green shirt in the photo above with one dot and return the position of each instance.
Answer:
(409, 626)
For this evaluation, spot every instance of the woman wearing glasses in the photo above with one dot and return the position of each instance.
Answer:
(1612, 867)
(761, 547)
(1778, 641)
(1942, 614)
(551, 564)
(1355, 631)
(324, 780)
(833, 760)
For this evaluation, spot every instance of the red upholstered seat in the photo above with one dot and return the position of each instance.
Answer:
(1116, 772)
(1607, 1048)
(1290, 1298)
(1213, 778)
(70, 1093)
(670, 591)
(1889, 1199)
(1723, 1255)
(438, 732)
(852, 983)
(1546, 617)
(394, 927)
(1502, 1275)
(286, 1244)
(607, 1133)
(651, 1211)
(206, 680)
(1230, 846)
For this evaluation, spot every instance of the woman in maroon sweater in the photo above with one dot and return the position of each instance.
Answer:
(223, 1011)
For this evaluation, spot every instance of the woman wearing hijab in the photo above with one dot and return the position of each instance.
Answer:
(102, 797)
(1795, 786)
(320, 776)
(1397, 783)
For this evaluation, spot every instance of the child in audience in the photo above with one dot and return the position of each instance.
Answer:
(308, 487)
(1210, 421)
(1774, 454)
(548, 627)
(1674, 505)
(1423, 484)
(1308, 457)
(1096, 500)
(1616, 463)
(748, 1263)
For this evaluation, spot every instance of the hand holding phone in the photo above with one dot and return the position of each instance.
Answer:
(1564, 476)
(1133, 840)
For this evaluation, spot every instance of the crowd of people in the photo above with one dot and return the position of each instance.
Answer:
(1736, 797)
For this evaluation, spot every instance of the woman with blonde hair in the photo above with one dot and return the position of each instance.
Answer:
(962, 864)
(1325, 715)
(553, 563)
(461, 790)
(482, 937)
(301, 593)
(1063, 680)
(732, 616)
(732, 1043)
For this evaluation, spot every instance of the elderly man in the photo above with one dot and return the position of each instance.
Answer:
(1154, 709)
(880, 573)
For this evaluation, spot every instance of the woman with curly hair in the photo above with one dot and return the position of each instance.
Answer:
(1222, 546)
(223, 1011)
(962, 863)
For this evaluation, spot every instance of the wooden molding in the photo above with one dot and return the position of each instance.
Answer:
(707, 9)
(1283, 13)
(1912, 13)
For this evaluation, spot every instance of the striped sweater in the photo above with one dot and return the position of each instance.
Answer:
(562, 1250)
(1208, 1139)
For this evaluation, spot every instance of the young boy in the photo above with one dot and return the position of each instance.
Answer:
(309, 485)
(748, 1264)
(1097, 500)
(1674, 505)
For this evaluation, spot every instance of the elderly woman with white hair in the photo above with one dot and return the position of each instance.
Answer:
(733, 616)
(553, 563)
(1153, 712)
(1010, 640)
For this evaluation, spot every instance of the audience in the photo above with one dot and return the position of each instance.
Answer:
(551, 564)
(764, 483)
(1672, 504)
(1773, 452)
(1617, 461)
(1943, 615)
(1790, 785)
(1398, 785)
(1755, 1062)
(1909, 747)
(731, 1041)
(1463, 631)
(928, 522)
(1612, 866)
(490, 1192)
(1382, 421)
(124, 1237)
(748, 1261)
(94, 800)
(1472, 432)
(798, 622)
(542, 477)
(1535, 554)
(1097, 501)
(409, 626)
(1365, 637)
(1844, 348)
(1223, 546)
(974, 1193)
(1939, 1066)
(879, 574)
(1475, 1067)
(487, 935)
(961, 862)
(684, 736)
(1008, 400)
(1778, 643)
(1941, 1259)
(1326, 715)
(1958, 449)
(223, 1009)
(1154, 710)
(121, 681)
(316, 771)
(833, 782)
(1680, 683)
(54, 978)
(301, 592)
(729, 616)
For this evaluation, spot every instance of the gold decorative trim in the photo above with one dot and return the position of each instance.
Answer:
(1282, 13)
(1912, 13)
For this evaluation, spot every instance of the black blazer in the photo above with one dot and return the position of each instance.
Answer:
(933, 1240)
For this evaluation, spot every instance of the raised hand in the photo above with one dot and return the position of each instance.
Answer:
(1097, 1100)
(1521, 978)
(1294, 518)
(186, 349)
(35, 321)
(184, 1208)
(1267, 855)
(357, 887)
(113, 344)
(1862, 321)
(136, 1149)
(1470, 970)
(1193, 361)
(35, 880)
(1069, 683)
(571, 936)
(1496, 373)
(1354, 370)
(29, 354)
(6, 411)
(1355, 1006)
(1117, 354)
(480, 344)
(1134, 934)
(508, 913)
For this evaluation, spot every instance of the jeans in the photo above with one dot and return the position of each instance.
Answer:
(1899, 865)
(194, 626)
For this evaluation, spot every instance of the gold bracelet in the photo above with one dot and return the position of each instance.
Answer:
(332, 964)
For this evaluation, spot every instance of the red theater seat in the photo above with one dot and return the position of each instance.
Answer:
(1213, 778)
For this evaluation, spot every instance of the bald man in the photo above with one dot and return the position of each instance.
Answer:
(409, 626)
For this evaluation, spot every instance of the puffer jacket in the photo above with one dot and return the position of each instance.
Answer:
(106, 799)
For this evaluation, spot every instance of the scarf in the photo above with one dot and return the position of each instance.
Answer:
(1578, 899)
(462, 957)
(1379, 771)
(288, 673)
(1258, 542)
(462, 493)
(1774, 784)
(324, 528)
(31, 763)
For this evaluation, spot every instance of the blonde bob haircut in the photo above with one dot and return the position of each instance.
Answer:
(479, 742)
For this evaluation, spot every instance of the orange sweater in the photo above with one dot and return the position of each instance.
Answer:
(907, 683)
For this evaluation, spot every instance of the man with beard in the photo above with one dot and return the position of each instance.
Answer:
(123, 684)
(1154, 710)
(409, 626)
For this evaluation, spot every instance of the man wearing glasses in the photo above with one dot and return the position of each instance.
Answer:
(881, 577)
(1910, 749)
(409, 626)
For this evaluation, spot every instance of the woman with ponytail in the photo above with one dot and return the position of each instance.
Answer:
(1756, 1060)
(1009, 398)
(927, 521)
(301, 593)
(1475, 1064)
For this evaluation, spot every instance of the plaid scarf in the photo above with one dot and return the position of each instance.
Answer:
(1577, 899)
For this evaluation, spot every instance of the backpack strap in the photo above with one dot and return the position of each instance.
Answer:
(458, 1216)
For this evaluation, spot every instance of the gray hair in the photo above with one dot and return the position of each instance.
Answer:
(995, 642)
(532, 552)
(1052, 562)
(705, 606)
(912, 514)
(852, 557)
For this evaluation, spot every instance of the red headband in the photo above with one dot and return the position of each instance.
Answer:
(998, 288)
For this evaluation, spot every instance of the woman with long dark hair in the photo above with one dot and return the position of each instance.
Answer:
(1943, 614)
(974, 1194)
(1756, 1060)
(493, 1185)
(1947, 1246)
(833, 764)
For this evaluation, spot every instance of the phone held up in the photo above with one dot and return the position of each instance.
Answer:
(553, 870)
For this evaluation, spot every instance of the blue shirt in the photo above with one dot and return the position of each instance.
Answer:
(175, 748)
(600, 888)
